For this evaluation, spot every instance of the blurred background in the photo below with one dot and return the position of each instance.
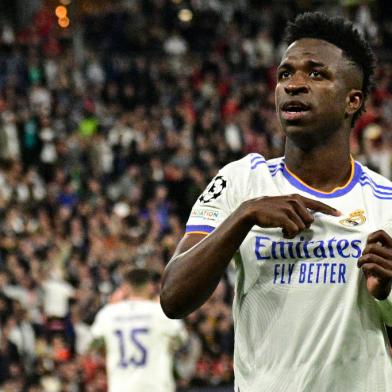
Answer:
(114, 115)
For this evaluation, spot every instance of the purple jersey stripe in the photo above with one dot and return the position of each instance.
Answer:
(199, 228)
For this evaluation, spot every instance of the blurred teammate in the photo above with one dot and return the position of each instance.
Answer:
(306, 317)
(139, 339)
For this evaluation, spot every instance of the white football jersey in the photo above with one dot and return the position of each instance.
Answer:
(304, 320)
(139, 342)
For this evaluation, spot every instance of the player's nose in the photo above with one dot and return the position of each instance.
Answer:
(295, 89)
(296, 85)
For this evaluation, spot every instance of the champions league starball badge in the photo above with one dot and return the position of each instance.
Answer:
(214, 190)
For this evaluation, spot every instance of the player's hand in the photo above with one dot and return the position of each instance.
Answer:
(376, 264)
(293, 213)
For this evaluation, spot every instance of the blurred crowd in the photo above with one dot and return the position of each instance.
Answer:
(109, 131)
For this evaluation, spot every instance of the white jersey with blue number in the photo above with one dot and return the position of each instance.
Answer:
(139, 341)
(304, 321)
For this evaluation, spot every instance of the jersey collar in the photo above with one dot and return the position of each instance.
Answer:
(356, 172)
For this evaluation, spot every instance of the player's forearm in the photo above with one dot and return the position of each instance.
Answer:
(192, 276)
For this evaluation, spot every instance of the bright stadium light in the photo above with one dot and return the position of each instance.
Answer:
(61, 11)
(185, 15)
(64, 22)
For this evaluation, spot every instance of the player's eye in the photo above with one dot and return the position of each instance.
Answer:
(315, 74)
(284, 74)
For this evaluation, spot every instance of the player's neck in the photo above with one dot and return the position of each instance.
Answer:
(140, 294)
(137, 298)
(322, 167)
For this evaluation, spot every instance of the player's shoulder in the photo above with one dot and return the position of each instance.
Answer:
(257, 163)
(111, 308)
(146, 306)
(238, 165)
(380, 185)
(249, 161)
(233, 176)
(236, 177)
(128, 306)
(150, 309)
(252, 163)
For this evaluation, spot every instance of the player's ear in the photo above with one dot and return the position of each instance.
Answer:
(354, 101)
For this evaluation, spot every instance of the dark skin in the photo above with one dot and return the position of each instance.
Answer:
(317, 76)
(376, 264)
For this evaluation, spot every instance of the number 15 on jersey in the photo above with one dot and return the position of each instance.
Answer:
(132, 340)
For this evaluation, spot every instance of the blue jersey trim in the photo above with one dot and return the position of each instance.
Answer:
(199, 228)
(257, 163)
(379, 191)
(256, 160)
(280, 170)
(380, 188)
(255, 156)
(382, 198)
(339, 192)
(274, 169)
(374, 189)
(377, 194)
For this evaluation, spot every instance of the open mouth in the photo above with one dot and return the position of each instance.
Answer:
(294, 110)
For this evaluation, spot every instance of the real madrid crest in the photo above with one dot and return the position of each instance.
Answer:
(355, 218)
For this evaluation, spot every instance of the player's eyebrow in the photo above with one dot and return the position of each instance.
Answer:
(309, 63)
(314, 63)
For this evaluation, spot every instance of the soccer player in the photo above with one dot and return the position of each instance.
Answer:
(139, 339)
(314, 268)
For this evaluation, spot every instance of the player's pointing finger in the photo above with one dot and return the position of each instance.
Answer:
(320, 207)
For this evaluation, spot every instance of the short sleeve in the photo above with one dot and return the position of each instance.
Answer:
(175, 330)
(220, 198)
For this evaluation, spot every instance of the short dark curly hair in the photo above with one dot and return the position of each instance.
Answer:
(341, 33)
(137, 277)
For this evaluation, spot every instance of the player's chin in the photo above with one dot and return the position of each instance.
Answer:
(295, 127)
(302, 134)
